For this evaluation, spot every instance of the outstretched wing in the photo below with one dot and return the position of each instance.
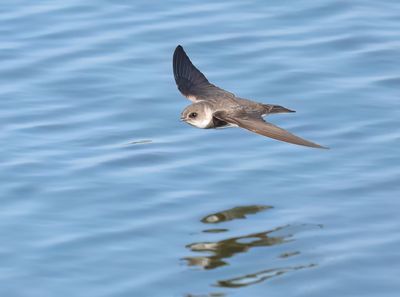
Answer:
(191, 82)
(256, 124)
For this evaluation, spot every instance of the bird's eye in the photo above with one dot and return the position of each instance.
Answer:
(193, 115)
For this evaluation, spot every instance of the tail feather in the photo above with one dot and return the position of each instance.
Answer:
(276, 108)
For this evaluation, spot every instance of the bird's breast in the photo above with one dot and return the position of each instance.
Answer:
(206, 119)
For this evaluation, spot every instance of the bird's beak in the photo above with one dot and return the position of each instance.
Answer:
(183, 119)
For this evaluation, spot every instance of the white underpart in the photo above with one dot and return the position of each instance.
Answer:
(206, 118)
(227, 126)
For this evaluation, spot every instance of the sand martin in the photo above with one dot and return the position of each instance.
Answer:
(214, 107)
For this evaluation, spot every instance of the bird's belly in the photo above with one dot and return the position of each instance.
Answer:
(204, 124)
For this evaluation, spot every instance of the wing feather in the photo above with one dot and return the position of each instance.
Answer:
(259, 126)
(191, 82)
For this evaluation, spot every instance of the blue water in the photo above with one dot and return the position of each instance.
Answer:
(104, 192)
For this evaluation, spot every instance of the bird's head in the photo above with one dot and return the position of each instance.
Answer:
(198, 114)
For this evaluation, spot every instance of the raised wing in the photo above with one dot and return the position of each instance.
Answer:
(258, 125)
(191, 82)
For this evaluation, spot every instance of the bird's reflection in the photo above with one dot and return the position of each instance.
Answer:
(215, 254)
(260, 276)
(234, 213)
(229, 247)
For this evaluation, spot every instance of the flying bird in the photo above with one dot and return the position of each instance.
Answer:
(214, 107)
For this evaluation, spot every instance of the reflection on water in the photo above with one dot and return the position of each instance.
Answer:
(254, 278)
(220, 250)
(207, 295)
(229, 247)
(234, 213)
(289, 254)
(215, 230)
(143, 141)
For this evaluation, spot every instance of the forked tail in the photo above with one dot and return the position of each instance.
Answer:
(276, 108)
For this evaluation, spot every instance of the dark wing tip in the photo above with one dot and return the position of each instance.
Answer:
(187, 77)
(314, 145)
(181, 62)
(178, 51)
